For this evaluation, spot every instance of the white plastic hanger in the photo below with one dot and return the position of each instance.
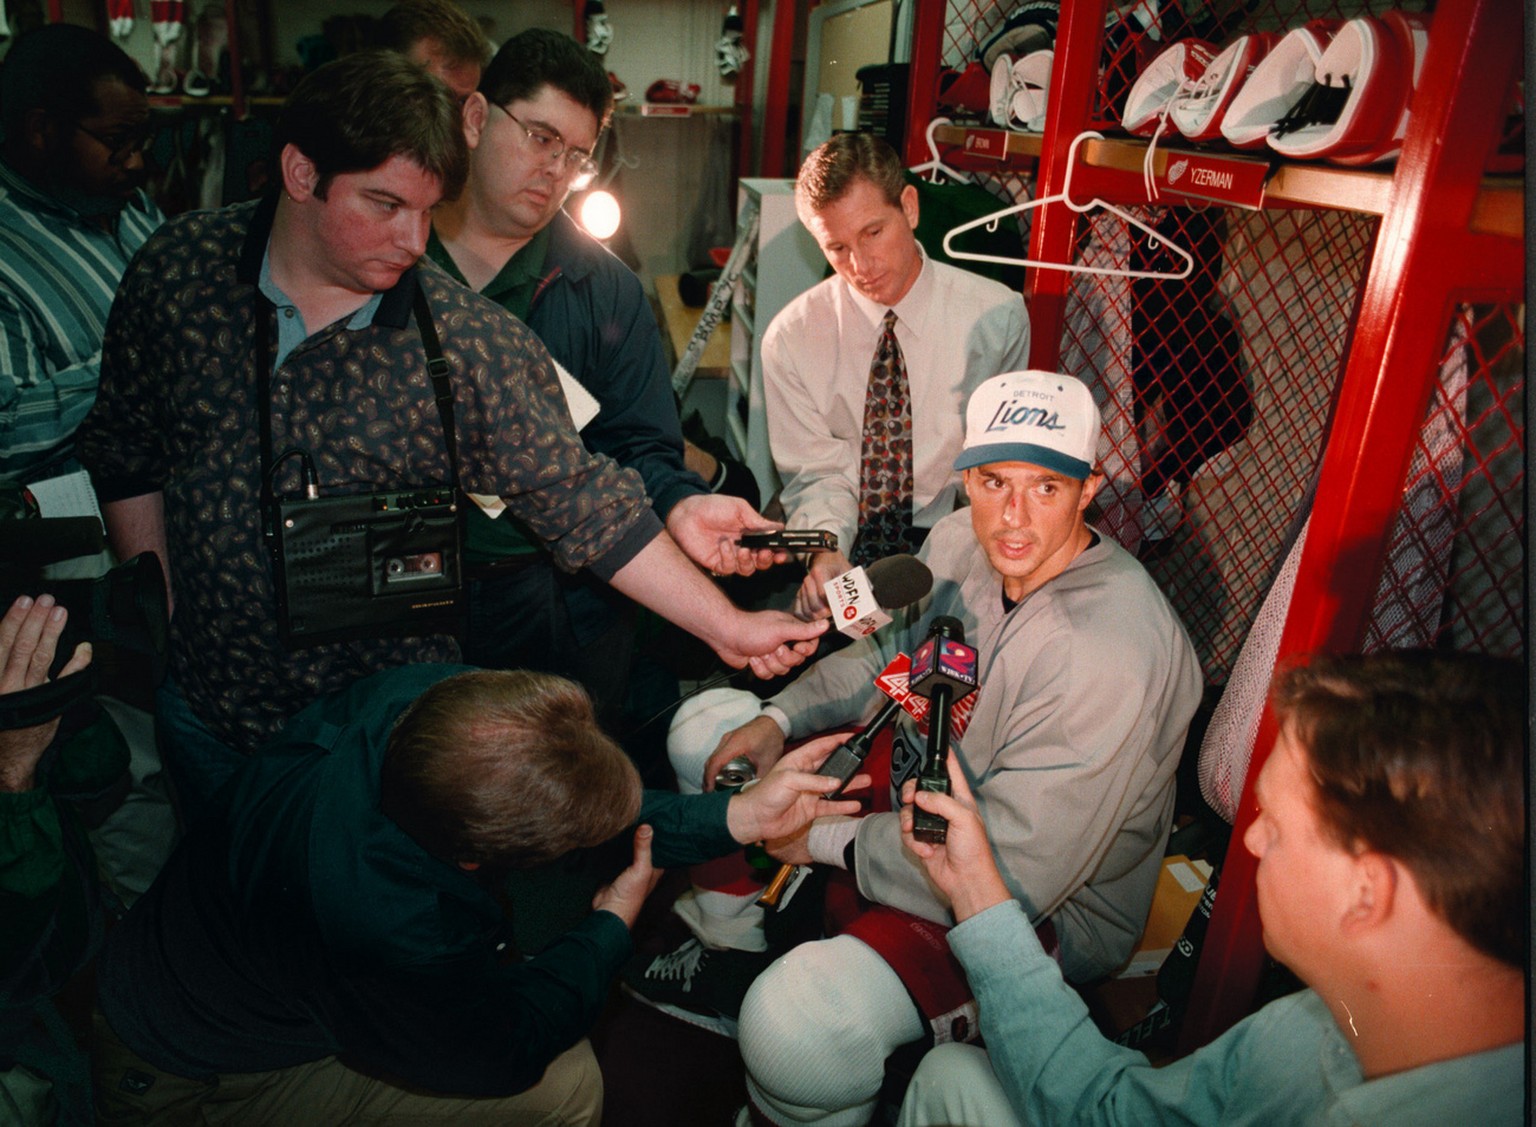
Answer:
(1065, 197)
(935, 163)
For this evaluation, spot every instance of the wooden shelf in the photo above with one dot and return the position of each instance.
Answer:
(1499, 209)
(665, 110)
(986, 144)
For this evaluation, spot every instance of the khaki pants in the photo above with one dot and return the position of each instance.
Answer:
(326, 1093)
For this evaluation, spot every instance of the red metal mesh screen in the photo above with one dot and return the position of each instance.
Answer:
(1215, 392)
(1455, 564)
(967, 26)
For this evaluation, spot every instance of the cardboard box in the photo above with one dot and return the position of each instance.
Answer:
(1179, 886)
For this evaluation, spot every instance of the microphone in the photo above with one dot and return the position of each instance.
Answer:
(944, 671)
(845, 761)
(889, 584)
(860, 597)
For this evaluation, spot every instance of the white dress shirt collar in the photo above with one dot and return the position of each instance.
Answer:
(911, 310)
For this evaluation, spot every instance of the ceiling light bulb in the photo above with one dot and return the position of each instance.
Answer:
(600, 214)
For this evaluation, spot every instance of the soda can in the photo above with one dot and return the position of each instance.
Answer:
(736, 774)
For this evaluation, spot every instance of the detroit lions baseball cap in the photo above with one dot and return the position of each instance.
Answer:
(1044, 418)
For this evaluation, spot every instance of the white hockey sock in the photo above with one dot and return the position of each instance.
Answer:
(816, 1028)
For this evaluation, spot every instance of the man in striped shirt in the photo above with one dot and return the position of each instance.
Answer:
(72, 213)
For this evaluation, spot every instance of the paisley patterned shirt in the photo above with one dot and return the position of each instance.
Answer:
(178, 414)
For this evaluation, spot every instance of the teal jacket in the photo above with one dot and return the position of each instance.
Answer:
(1286, 1064)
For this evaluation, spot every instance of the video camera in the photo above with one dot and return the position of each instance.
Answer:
(123, 614)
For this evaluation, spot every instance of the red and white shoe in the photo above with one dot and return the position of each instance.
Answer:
(669, 91)
(1198, 113)
(1356, 112)
(1172, 74)
(1277, 83)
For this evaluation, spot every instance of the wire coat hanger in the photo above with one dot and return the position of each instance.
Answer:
(935, 163)
(1065, 197)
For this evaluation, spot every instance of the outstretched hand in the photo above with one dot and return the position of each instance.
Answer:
(772, 642)
(707, 527)
(791, 796)
(962, 867)
(811, 598)
(626, 895)
(29, 638)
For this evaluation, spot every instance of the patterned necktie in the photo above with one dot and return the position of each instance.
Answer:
(885, 467)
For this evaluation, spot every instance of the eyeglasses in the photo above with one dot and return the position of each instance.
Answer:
(549, 146)
(119, 149)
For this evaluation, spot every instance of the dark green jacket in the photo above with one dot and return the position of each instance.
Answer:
(305, 923)
(50, 916)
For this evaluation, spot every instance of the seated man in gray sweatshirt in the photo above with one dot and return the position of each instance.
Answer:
(1087, 683)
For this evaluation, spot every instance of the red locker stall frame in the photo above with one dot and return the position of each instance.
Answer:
(1442, 240)
(1428, 257)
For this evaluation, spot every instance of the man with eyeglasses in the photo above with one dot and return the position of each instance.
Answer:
(72, 212)
(532, 129)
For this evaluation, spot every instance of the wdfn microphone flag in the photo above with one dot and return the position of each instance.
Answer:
(860, 599)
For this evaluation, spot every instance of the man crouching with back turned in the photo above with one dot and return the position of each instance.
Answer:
(331, 947)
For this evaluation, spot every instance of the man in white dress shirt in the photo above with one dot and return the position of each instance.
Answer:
(953, 330)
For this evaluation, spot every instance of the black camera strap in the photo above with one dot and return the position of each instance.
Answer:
(437, 369)
(442, 387)
(44, 702)
(266, 313)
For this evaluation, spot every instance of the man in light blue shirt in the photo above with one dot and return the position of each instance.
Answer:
(75, 118)
(1390, 839)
